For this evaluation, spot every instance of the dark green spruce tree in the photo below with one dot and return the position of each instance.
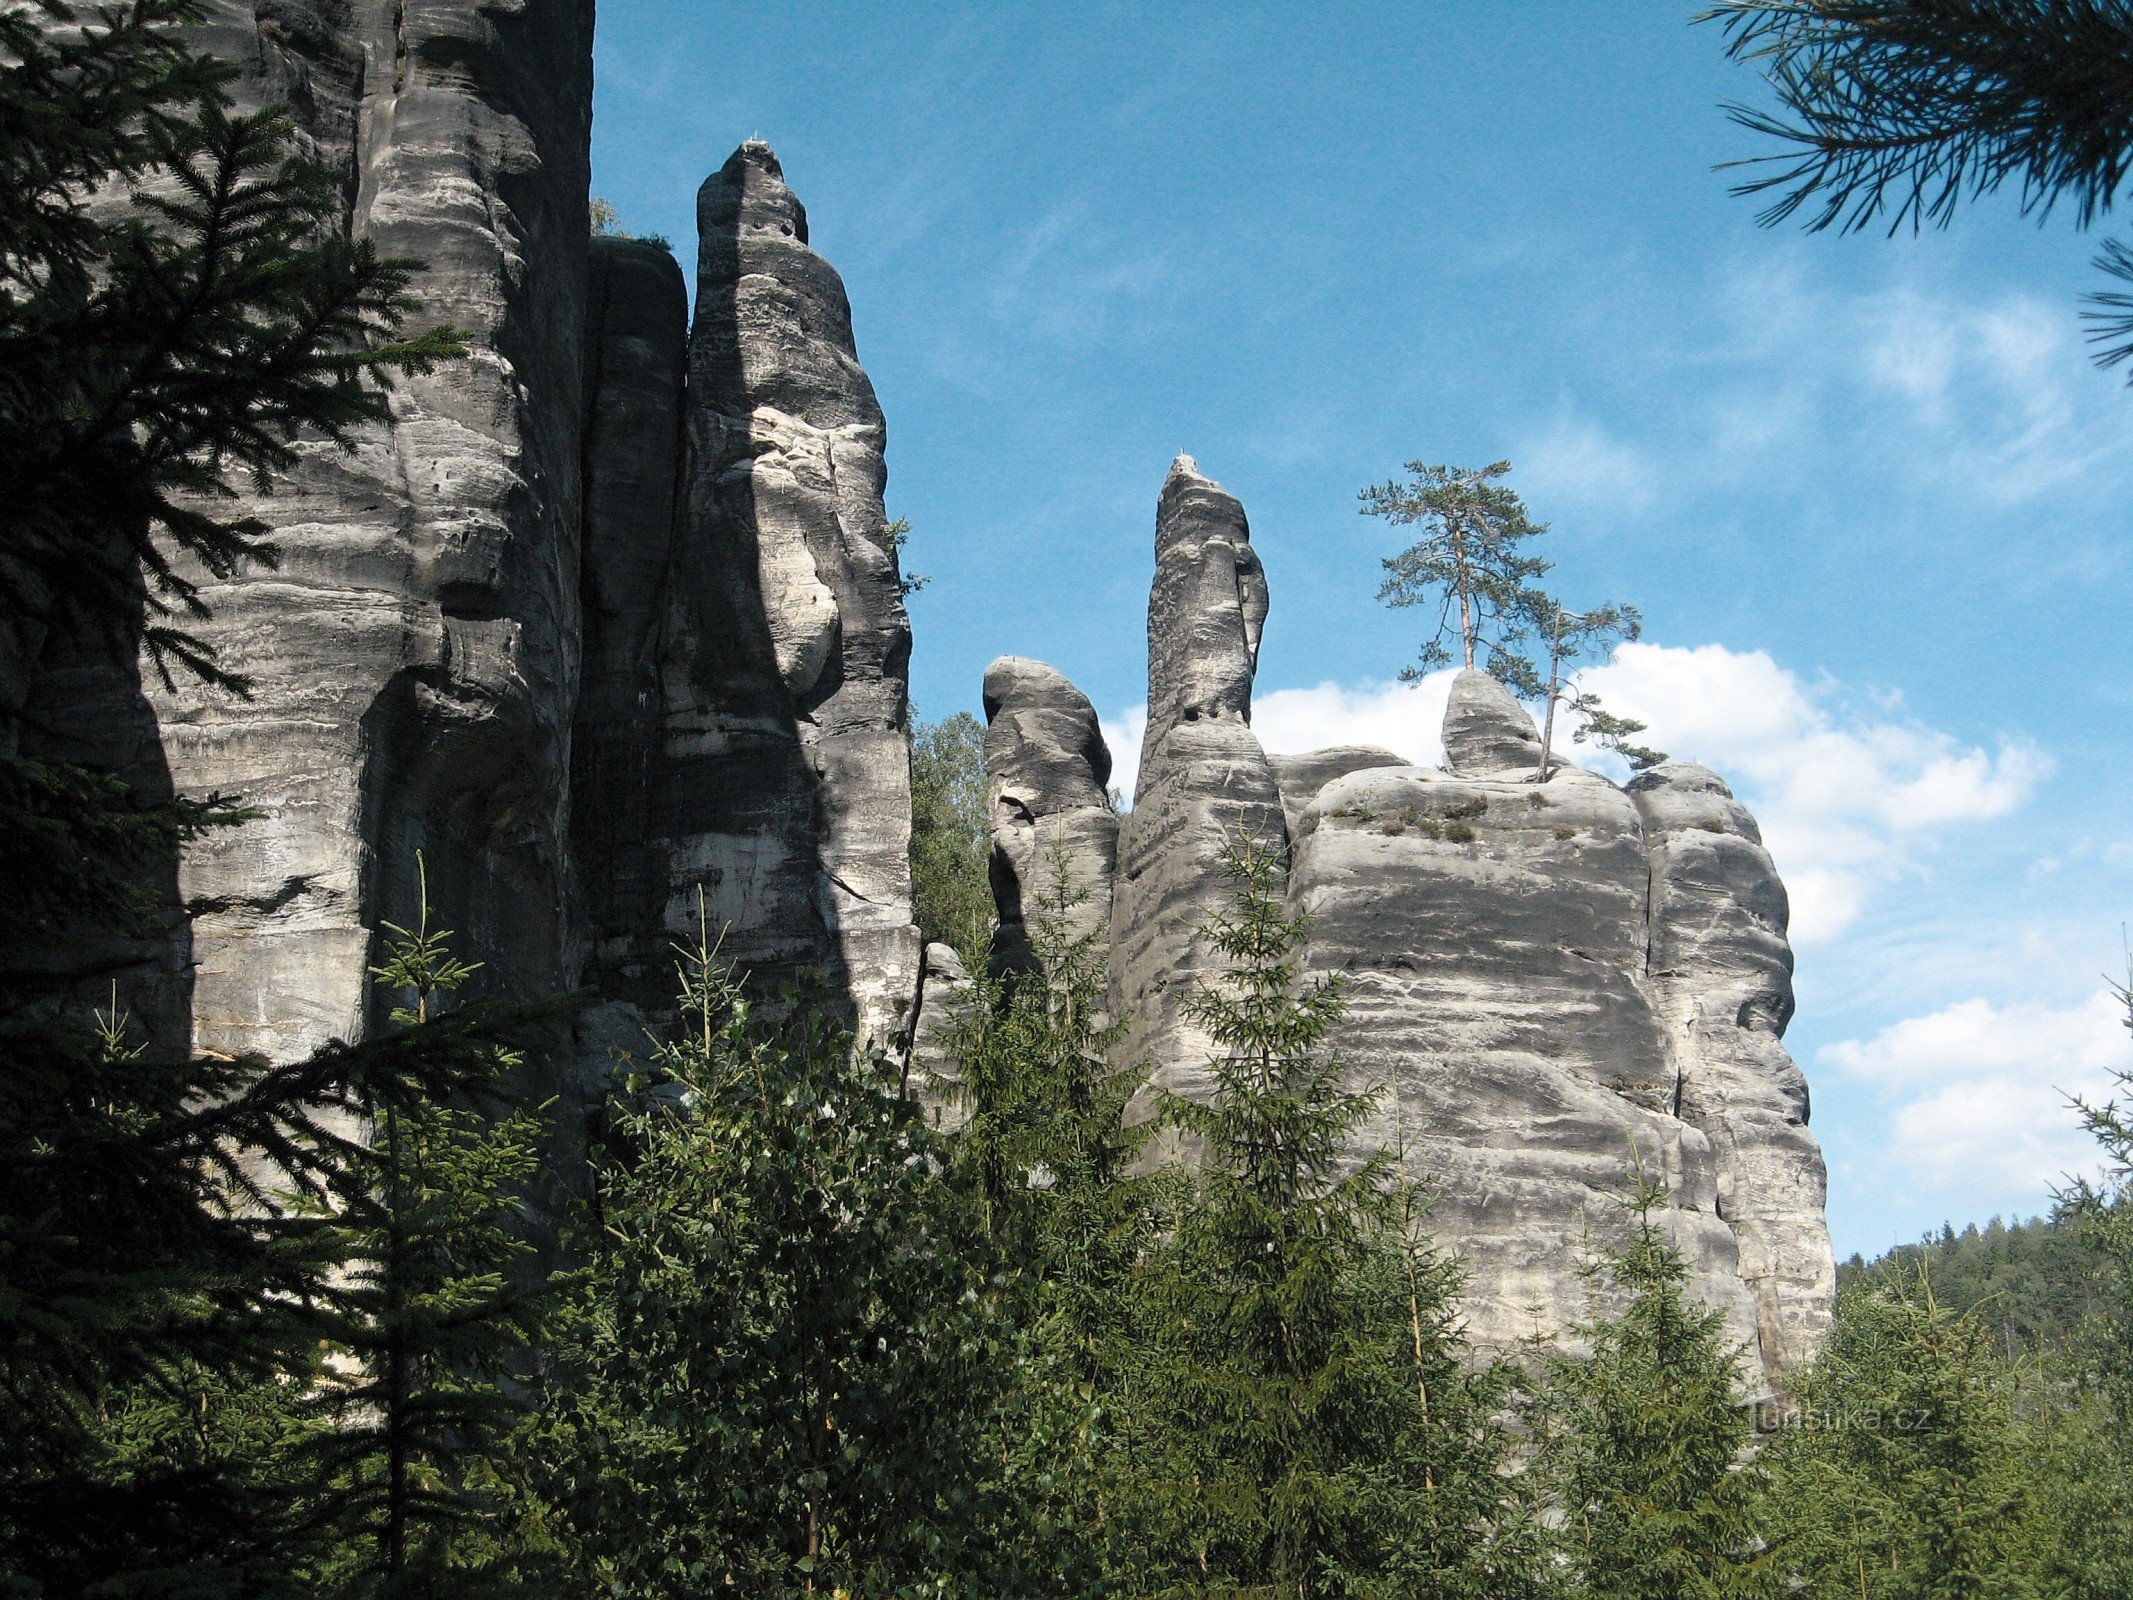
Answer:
(1915, 1465)
(431, 1312)
(777, 1377)
(1047, 1158)
(1642, 1441)
(1306, 1425)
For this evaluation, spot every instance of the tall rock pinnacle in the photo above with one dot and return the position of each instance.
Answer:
(1203, 779)
(786, 640)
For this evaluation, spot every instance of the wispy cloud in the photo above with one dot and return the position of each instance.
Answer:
(1961, 400)
(1978, 1095)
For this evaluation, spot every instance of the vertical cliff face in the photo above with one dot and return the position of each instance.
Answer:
(415, 653)
(786, 797)
(1553, 985)
(1203, 779)
(1721, 979)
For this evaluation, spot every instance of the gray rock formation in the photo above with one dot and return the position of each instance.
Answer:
(1552, 984)
(1486, 730)
(1300, 778)
(605, 618)
(933, 1078)
(1721, 979)
(787, 788)
(416, 651)
(1054, 834)
(1492, 935)
(1204, 778)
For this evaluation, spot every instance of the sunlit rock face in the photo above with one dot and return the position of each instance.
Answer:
(1054, 834)
(1721, 979)
(1203, 779)
(1554, 988)
(415, 653)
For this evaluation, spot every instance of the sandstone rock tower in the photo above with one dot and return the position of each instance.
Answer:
(605, 623)
(1553, 984)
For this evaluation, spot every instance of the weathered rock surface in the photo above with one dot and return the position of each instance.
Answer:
(1721, 978)
(1300, 778)
(1203, 779)
(933, 1077)
(415, 654)
(1486, 730)
(1054, 834)
(787, 796)
(1554, 985)
(1492, 934)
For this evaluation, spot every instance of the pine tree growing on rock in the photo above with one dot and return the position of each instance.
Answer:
(1467, 562)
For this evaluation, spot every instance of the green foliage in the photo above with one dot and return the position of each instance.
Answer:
(775, 1377)
(429, 1307)
(897, 535)
(1641, 1440)
(1049, 1163)
(1467, 563)
(1304, 1422)
(1590, 636)
(951, 837)
(1905, 109)
(2037, 1284)
(151, 352)
(1910, 1468)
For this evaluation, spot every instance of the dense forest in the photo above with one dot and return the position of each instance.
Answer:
(323, 1329)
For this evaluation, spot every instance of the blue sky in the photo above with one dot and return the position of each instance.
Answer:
(1869, 493)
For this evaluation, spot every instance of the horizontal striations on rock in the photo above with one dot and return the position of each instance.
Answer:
(415, 651)
(933, 1076)
(1203, 778)
(787, 796)
(1721, 976)
(1054, 834)
(1486, 730)
(1300, 778)
(1492, 934)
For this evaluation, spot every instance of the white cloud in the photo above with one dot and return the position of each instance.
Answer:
(1123, 735)
(1848, 800)
(1575, 459)
(1979, 1094)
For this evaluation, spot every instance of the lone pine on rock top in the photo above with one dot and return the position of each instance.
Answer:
(609, 615)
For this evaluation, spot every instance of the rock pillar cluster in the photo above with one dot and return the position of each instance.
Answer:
(601, 634)
(1555, 987)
